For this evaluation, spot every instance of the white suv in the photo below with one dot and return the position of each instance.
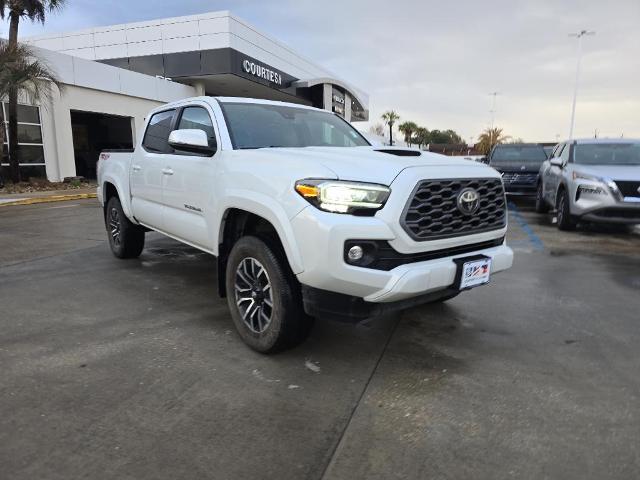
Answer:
(306, 218)
(595, 180)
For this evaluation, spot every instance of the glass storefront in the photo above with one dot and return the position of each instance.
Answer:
(31, 153)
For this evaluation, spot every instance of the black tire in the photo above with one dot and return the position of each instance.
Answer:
(541, 205)
(125, 238)
(566, 221)
(252, 265)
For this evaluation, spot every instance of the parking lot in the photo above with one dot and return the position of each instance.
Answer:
(132, 369)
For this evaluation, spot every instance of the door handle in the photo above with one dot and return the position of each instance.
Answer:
(167, 171)
(136, 168)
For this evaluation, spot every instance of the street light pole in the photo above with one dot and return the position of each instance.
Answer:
(493, 115)
(579, 36)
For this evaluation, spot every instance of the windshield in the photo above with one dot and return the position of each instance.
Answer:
(253, 125)
(519, 154)
(607, 154)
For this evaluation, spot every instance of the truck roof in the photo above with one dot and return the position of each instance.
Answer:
(587, 141)
(237, 100)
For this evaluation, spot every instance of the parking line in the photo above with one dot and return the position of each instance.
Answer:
(533, 238)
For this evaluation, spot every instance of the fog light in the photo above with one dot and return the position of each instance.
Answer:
(355, 253)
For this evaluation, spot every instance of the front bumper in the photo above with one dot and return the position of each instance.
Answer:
(515, 189)
(595, 202)
(321, 238)
(619, 215)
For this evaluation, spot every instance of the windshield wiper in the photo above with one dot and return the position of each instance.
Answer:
(262, 146)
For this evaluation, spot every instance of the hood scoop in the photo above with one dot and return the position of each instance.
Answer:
(399, 152)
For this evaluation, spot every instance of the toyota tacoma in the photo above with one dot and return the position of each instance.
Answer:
(306, 218)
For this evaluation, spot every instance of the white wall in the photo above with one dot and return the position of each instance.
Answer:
(99, 88)
(89, 74)
(207, 31)
(56, 123)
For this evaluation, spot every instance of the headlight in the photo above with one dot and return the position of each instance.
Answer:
(344, 197)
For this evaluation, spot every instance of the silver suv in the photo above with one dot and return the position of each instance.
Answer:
(595, 180)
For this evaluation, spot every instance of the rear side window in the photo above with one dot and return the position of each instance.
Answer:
(157, 135)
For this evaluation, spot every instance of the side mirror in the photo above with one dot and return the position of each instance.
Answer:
(192, 141)
(556, 162)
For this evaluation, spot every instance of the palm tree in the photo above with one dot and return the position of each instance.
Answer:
(407, 128)
(490, 138)
(22, 73)
(34, 10)
(390, 118)
(421, 137)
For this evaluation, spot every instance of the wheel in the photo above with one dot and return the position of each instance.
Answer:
(566, 221)
(264, 298)
(125, 238)
(541, 205)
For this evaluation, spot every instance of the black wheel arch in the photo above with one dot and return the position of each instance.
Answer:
(237, 223)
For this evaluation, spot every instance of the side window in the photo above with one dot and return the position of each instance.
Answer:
(157, 135)
(565, 153)
(197, 118)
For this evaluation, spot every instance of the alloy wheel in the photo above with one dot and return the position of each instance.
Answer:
(115, 226)
(253, 294)
(561, 209)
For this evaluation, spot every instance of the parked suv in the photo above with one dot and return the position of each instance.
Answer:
(596, 180)
(519, 164)
(305, 217)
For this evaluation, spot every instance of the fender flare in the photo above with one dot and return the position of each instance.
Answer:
(125, 201)
(269, 209)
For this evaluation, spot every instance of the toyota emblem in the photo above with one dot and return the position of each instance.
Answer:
(468, 201)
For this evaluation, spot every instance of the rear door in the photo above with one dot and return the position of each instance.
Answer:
(148, 170)
(555, 173)
(188, 191)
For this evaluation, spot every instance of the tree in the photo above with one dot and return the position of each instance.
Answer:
(407, 128)
(490, 138)
(390, 118)
(421, 137)
(377, 129)
(34, 10)
(453, 136)
(22, 73)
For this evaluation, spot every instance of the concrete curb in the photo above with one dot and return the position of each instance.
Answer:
(52, 198)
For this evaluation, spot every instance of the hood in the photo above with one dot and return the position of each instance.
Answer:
(517, 167)
(363, 164)
(612, 172)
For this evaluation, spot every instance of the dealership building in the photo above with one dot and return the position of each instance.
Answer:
(114, 75)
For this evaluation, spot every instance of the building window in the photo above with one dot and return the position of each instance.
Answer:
(31, 154)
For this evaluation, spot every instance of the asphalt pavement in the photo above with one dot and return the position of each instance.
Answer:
(116, 369)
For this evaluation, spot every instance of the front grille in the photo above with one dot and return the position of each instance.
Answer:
(432, 211)
(380, 255)
(515, 178)
(628, 189)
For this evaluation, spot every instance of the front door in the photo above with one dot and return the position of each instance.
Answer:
(148, 170)
(188, 188)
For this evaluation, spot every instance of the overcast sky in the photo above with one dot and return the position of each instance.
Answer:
(435, 62)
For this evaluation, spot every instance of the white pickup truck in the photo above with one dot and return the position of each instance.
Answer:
(305, 217)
